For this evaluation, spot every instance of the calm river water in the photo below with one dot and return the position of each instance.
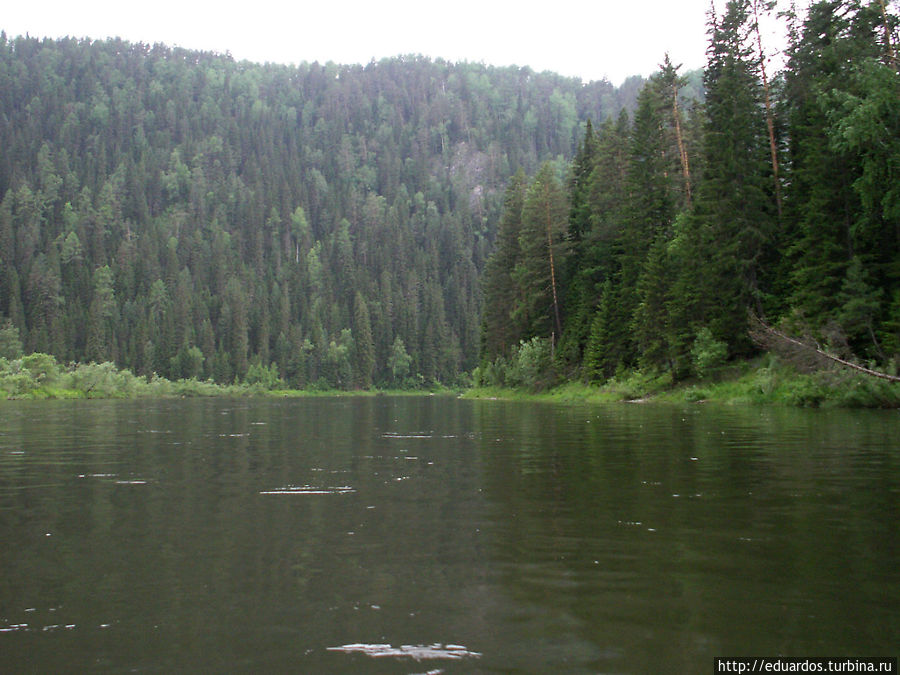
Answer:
(433, 535)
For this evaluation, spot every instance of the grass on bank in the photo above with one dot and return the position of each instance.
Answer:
(765, 381)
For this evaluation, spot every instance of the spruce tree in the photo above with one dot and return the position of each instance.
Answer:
(821, 200)
(843, 101)
(576, 285)
(499, 330)
(542, 252)
(734, 207)
(601, 199)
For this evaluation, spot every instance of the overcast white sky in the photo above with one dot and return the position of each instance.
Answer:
(590, 39)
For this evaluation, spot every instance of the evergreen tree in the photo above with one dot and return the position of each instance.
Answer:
(650, 208)
(501, 293)
(734, 206)
(305, 185)
(10, 344)
(577, 286)
(102, 317)
(596, 251)
(821, 200)
(542, 249)
(651, 324)
(364, 362)
(842, 101)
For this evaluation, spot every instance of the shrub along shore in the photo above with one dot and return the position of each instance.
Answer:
(39, 377)
(765, 381)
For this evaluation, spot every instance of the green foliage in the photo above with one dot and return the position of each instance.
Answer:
(666, 262)
(338, 226)
(708, 353)
(542, 249)
(264, 377)
(41, 368)
(10, 344)
(188, 363)
(39, 376)
(104, 380)
(338, 367)
(398, 363)
(501, 292)
(529, 366)
(155, 201)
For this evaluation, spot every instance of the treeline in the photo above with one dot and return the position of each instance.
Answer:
(183, 214)
(778, 199)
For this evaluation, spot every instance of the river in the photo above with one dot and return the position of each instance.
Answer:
(434, 535)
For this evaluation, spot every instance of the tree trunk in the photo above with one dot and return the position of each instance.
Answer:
(685, 166)
(770, 123)
(770, 338)
(888, 46)
(552, 270)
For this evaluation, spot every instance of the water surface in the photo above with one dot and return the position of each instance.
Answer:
(433, 535)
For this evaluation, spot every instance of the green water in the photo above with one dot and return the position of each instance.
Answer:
(433, 535)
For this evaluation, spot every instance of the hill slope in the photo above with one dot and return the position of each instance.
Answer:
(182, 213)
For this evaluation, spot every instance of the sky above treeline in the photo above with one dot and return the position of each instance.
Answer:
(608, 39)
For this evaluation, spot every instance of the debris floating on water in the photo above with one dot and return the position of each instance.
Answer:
(309, 490)
(416, 652)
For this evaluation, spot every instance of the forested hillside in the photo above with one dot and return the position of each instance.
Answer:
(181, 213)
(677, 239)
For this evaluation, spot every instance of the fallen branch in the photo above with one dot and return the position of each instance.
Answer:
(768, 337)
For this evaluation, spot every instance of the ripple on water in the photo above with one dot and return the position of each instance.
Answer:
(114, 478)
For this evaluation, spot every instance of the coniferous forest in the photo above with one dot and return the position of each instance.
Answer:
(677, 235)
(181, 213)
(400, 223)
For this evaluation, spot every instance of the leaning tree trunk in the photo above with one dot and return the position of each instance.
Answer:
(805, 352)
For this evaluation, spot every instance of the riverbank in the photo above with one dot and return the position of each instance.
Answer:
(764, 381)
(41, 377)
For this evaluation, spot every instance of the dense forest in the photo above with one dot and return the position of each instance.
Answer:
(680, 239)
(184, 214)
(398, 224)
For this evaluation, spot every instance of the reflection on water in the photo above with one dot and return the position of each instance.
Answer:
(477, 536)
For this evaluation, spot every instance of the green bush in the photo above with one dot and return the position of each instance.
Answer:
(263, 377)
(17, 384)
(765, 381)
(493, 374)
(696, 394)
(804, 392)
(10, 344)
(531, 366)
(42, 367)
(708, 353)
